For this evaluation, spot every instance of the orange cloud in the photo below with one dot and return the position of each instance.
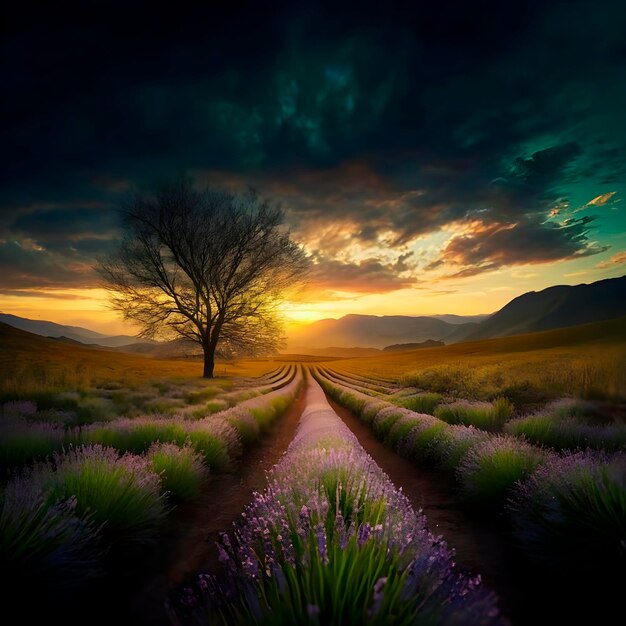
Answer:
(602, 199)
(616, 259)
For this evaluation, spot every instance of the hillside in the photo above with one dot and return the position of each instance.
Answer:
(587, 360)
(556, 307)
(29, 363)
(76, 333)
(371, 331)
(429, 343)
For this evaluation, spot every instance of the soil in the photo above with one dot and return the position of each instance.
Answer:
(139, 591)
(482, 542)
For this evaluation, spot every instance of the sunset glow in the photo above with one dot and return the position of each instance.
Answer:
(433, 188)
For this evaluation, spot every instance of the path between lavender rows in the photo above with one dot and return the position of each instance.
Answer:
(189, 547)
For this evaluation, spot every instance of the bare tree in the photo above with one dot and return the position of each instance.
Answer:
(209, 266)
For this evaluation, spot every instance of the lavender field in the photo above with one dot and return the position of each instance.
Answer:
(313, 313)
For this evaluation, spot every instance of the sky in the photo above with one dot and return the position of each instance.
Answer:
(442, 157)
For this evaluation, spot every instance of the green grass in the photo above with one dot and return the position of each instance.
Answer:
(489, 470)
(45, 548)
(213, 448)
(22, 443)
(121, 495)
(420, 445)
(448, 445)
(181, 468)
(421, 402)
(585, 361)
(385, 419)
(571, 514)
(135, 435)
(483, 415)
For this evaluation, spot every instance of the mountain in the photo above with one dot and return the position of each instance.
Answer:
(556, 307)
(462, 319)
(399, 347)
(77, 333)
(373, 331)
(344, 353)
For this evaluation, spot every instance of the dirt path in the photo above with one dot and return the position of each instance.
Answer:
(527, 595)
(481, 548)
(189, 544)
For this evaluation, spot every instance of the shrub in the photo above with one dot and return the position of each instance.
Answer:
(216, 440)
(449, 445)
(562, 428)
(42, 547)
(386, 418)
(485, 415)
(181, 469)
(421, 402)
(136, 434)
(571, 513)
(23, 442)
(418, 443)
(489, 470)
(121, 494)
(245, 424)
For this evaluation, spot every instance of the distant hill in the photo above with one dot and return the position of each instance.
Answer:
(373, 331)
(429, 343)
(345, 353)
(556, 307)
(76, 333)
(462, 319)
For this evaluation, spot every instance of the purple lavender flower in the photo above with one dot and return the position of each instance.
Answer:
(320, 534)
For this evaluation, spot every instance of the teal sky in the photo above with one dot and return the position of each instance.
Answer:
(432, 158)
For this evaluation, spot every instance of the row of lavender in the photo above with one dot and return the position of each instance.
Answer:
(566, 509)
(332, 541)
(60, 520)
(562, 425)
(24, 439)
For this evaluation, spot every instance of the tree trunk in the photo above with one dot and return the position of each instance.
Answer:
(209, 362)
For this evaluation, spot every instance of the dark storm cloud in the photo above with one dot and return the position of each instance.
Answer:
(377, 124)
(23, 266)
(67, 224)
(362, 203)
(45, 245)
(524, 242)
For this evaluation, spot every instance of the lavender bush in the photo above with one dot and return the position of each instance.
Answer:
(484, 415)
(420, 402)
(564, 425)
(489, 470)
(181, 468)
(449, 445)
(120, 493)
(571, 512)
(332, 541)
(417, 443)
(44, 548)
(23, 442)
(385, 419)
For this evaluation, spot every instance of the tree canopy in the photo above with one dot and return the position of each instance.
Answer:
(209, 265)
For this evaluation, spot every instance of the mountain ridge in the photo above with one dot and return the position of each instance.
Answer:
(559, 306)
(85, 336)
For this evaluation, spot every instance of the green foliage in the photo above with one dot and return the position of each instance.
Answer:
(120, 494)
(213, 448)
(484, 415)
(489, 470)
(181, 469)
(421, 402)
